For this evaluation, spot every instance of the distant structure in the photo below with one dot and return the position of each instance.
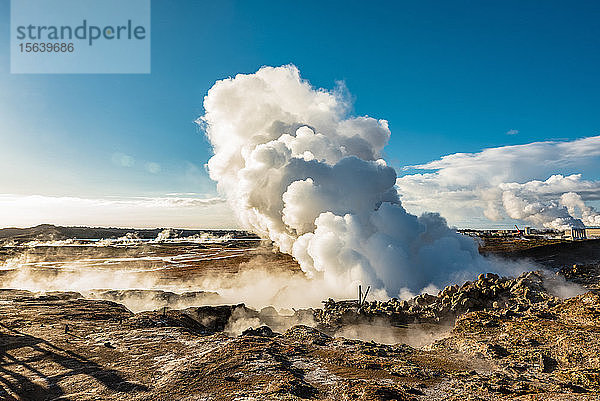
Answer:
(528, 233)
(517, 233)
(592, 232)
(576, 233)
(525, 232)
(583, 233)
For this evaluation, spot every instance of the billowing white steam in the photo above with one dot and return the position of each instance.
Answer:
(573, 202)
(298, 170)
(548, 214)
(520, 182)
(547, 204)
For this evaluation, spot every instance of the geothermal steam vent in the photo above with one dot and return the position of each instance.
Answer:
(298, 169)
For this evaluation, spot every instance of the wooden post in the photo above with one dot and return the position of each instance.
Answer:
(366, 293)
(359, 295)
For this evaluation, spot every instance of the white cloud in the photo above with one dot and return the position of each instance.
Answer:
(493, 182)
(140, 212)
(512, 132)
(122, 159)
(153, 167)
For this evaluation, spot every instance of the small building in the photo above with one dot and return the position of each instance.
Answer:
(592, 232)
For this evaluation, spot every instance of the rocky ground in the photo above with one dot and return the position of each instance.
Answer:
(532, 337)
(498, 338)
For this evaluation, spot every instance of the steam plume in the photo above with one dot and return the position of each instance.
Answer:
(296, 168)
(532, 182)
(573, 201)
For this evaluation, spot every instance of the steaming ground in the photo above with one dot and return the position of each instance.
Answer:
(240, 270)
(183, 273)
(489, 339)
(226, 270)
(179, 273)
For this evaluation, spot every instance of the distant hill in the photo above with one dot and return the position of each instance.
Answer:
(49, 232)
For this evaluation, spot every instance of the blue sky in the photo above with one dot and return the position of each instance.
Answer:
(448, 76)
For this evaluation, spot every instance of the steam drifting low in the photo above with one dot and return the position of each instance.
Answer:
(296, 168)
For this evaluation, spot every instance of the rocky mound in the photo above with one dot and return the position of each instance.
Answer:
(536, 351)
(488, 292)
(587, 275)
(155, 299)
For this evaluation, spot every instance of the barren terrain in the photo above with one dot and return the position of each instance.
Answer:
(532, 337)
